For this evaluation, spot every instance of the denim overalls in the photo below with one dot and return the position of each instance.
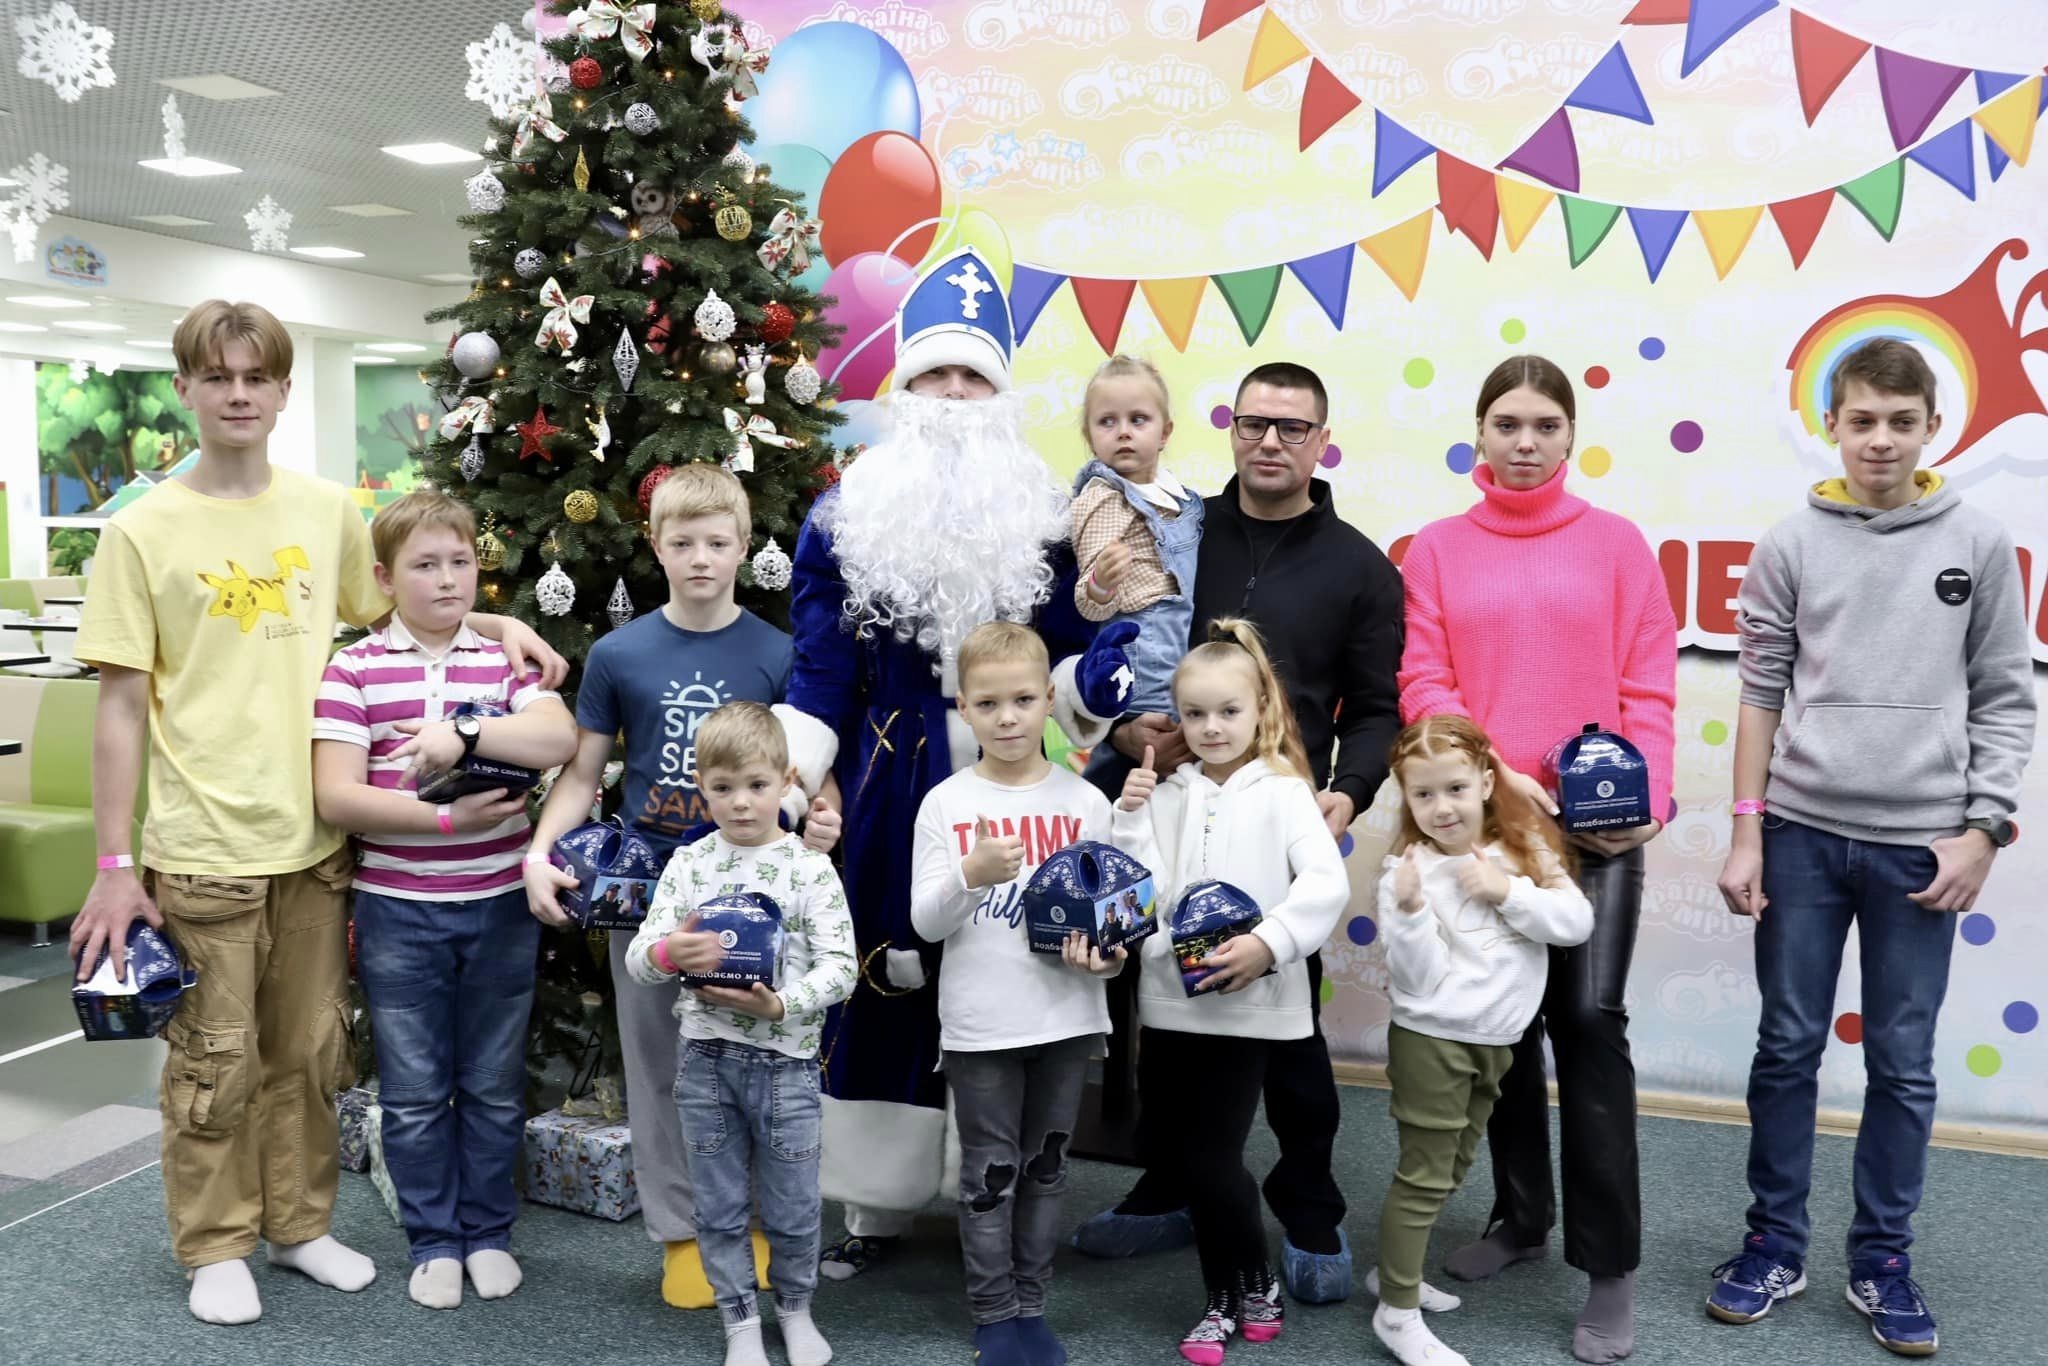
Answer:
(1163, 626)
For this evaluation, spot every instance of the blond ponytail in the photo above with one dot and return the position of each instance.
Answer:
(1277, 739)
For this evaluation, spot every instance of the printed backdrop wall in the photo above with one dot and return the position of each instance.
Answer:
(1693, 205)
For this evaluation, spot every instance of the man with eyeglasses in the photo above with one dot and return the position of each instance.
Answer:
(1328, 603)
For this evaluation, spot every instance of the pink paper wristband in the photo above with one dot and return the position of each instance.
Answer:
(444, 818)
(662, 960)
(107, 863)
(1748, 806)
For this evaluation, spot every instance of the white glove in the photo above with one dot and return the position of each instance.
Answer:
(904, 968)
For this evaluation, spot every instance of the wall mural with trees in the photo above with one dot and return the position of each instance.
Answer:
(96, 433)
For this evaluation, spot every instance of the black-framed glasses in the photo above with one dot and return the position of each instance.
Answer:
(1293, 430)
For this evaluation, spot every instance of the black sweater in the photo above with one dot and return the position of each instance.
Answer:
(1328, 604)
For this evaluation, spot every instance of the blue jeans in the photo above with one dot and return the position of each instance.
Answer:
(1818, 885)
(752, 1123)
(450, 985)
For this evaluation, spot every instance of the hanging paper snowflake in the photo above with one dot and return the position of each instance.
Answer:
(802, 380)
(714, 318)
(501, 70)
(269, 226)
(174, 129)
(620, 606)
(473, 457)
(641, 120)
(771, 567)
(23, 233)
(485, 192)
(64, 52)
(556, 591)
(529, 263)
(41, 192)
(80, 368)
(626, 360)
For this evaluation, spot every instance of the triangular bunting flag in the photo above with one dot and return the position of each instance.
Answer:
(1465, 195)
(1659, 12)
(1394, 150)
(1103, 303)
(1274, 49)
(1217, 13)
(1550, 154)
(1914, 89)
(1726, 233)
(1993, 83)
(1174, 303)
(1586, 225)
(1030, 289)
(1995, 158)
(1822, 58)
(1521, 207)
(1611, 88)
(1712, 23)
(1879, 195)
(1799, 222)
(1326, 100)
(1402, 251)
(1952, 155)
(2009, 120)
(1327, 278)
(1656, 230)
(1250, 296)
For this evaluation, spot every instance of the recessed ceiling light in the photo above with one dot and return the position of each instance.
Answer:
(218, 87)
(327, 253)
(22, 327)
(173, 220)
(395, 348)
(47, 301)
(371, 210)
(450, 277)
(190, 166)
(434, 153)
(375, 360)
(89, 325)
(151, 345)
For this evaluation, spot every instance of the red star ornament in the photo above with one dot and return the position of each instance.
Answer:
(534, 431)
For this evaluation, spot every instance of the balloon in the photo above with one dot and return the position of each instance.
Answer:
(867, 290)
(969, 227)
(830, 84)
(879, 187)
(801, 170)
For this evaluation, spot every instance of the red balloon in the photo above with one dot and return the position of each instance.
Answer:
(879, 187)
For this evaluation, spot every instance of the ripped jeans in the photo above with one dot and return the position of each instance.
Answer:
(1016, 1108)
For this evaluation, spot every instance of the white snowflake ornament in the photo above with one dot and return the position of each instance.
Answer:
(620, 606)
(174, 129)
(41, 192)
(485, 192)
(65, 52)
(269, 226)
(771, 567)
(80, 368)
(714, 318)
(501, 70)
(22, 231)
(556, 591)
(802, 380)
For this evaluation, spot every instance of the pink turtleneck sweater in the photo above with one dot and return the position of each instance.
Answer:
(1534, 613)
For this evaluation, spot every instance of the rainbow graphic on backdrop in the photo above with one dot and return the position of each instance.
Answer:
(1842, 331)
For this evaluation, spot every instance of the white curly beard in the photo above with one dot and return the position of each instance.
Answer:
(944, 524)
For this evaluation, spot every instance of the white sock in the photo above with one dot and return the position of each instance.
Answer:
(1434, 1301)
(437, 1283)
(224, 1293)
(1409, 1338)
(801, 1339)
(494, 1271)
(743, 1344)
(326, 1261)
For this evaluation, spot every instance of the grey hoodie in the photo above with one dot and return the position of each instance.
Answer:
(1902, 637)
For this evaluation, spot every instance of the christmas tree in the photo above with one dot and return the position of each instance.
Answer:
(635, 309)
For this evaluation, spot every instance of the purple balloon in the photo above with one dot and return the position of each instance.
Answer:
(866, 290)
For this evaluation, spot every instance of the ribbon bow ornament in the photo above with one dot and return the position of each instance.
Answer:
(538, 117)
(558, 328)
(722, 50)
(473, 411)
(791, 239)
(602, 18)
(746, 431)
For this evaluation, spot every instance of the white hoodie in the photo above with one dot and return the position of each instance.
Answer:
(1464, 969)
(1261, 832)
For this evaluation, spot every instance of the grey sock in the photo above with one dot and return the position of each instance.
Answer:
(1491, 1255)
(1607, 1325)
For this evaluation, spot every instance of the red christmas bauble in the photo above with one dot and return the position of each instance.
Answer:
(829, 472)
(778, 324)
(585, 73)
(650, 484)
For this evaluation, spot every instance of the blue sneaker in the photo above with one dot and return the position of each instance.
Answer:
(998, 1344)
(1884, 1292)
(1113, 1235)
(1317, 1277)
(1042, 1346)
(1748, 1284)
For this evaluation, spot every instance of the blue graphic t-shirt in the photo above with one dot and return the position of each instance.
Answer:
(657, 682)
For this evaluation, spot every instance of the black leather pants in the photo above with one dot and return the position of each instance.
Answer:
(1596, 1083)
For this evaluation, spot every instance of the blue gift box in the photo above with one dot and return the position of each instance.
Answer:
(616, 870)
(1093, 887)
(1210, 914)
(749, 930)
(143, 1001)
(1599, 781)
(581, 1164)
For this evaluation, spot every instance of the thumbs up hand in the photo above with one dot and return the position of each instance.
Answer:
(996, 858)
(1139, 784)
(822, 826)
(1408, 883)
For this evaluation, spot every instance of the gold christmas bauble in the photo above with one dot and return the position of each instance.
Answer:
(581, 506)
(734, 223)
(490, 552)
(705, 10)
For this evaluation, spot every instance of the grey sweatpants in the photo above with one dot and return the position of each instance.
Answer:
(649, 1035)
(1016, 1108)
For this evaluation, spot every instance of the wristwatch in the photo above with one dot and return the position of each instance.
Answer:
(469, 728)
(2000, 830)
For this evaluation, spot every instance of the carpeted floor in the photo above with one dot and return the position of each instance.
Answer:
(92, 1281)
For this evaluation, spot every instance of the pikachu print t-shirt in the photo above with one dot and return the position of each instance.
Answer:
(230, 606)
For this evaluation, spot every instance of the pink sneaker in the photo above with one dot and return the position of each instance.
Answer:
(1205, 1342)
(1260, 1314)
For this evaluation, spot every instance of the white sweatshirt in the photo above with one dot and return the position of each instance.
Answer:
(1261, 832)
(994, 992)
(1464, 969)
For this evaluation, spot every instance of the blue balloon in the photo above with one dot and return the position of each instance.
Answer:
(802, 170)
(829, 85)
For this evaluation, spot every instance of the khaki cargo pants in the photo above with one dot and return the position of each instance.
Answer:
(251, 1146)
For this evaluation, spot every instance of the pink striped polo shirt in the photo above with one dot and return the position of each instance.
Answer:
(387, 678)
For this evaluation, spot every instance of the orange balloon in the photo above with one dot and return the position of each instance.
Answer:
(877, 189)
